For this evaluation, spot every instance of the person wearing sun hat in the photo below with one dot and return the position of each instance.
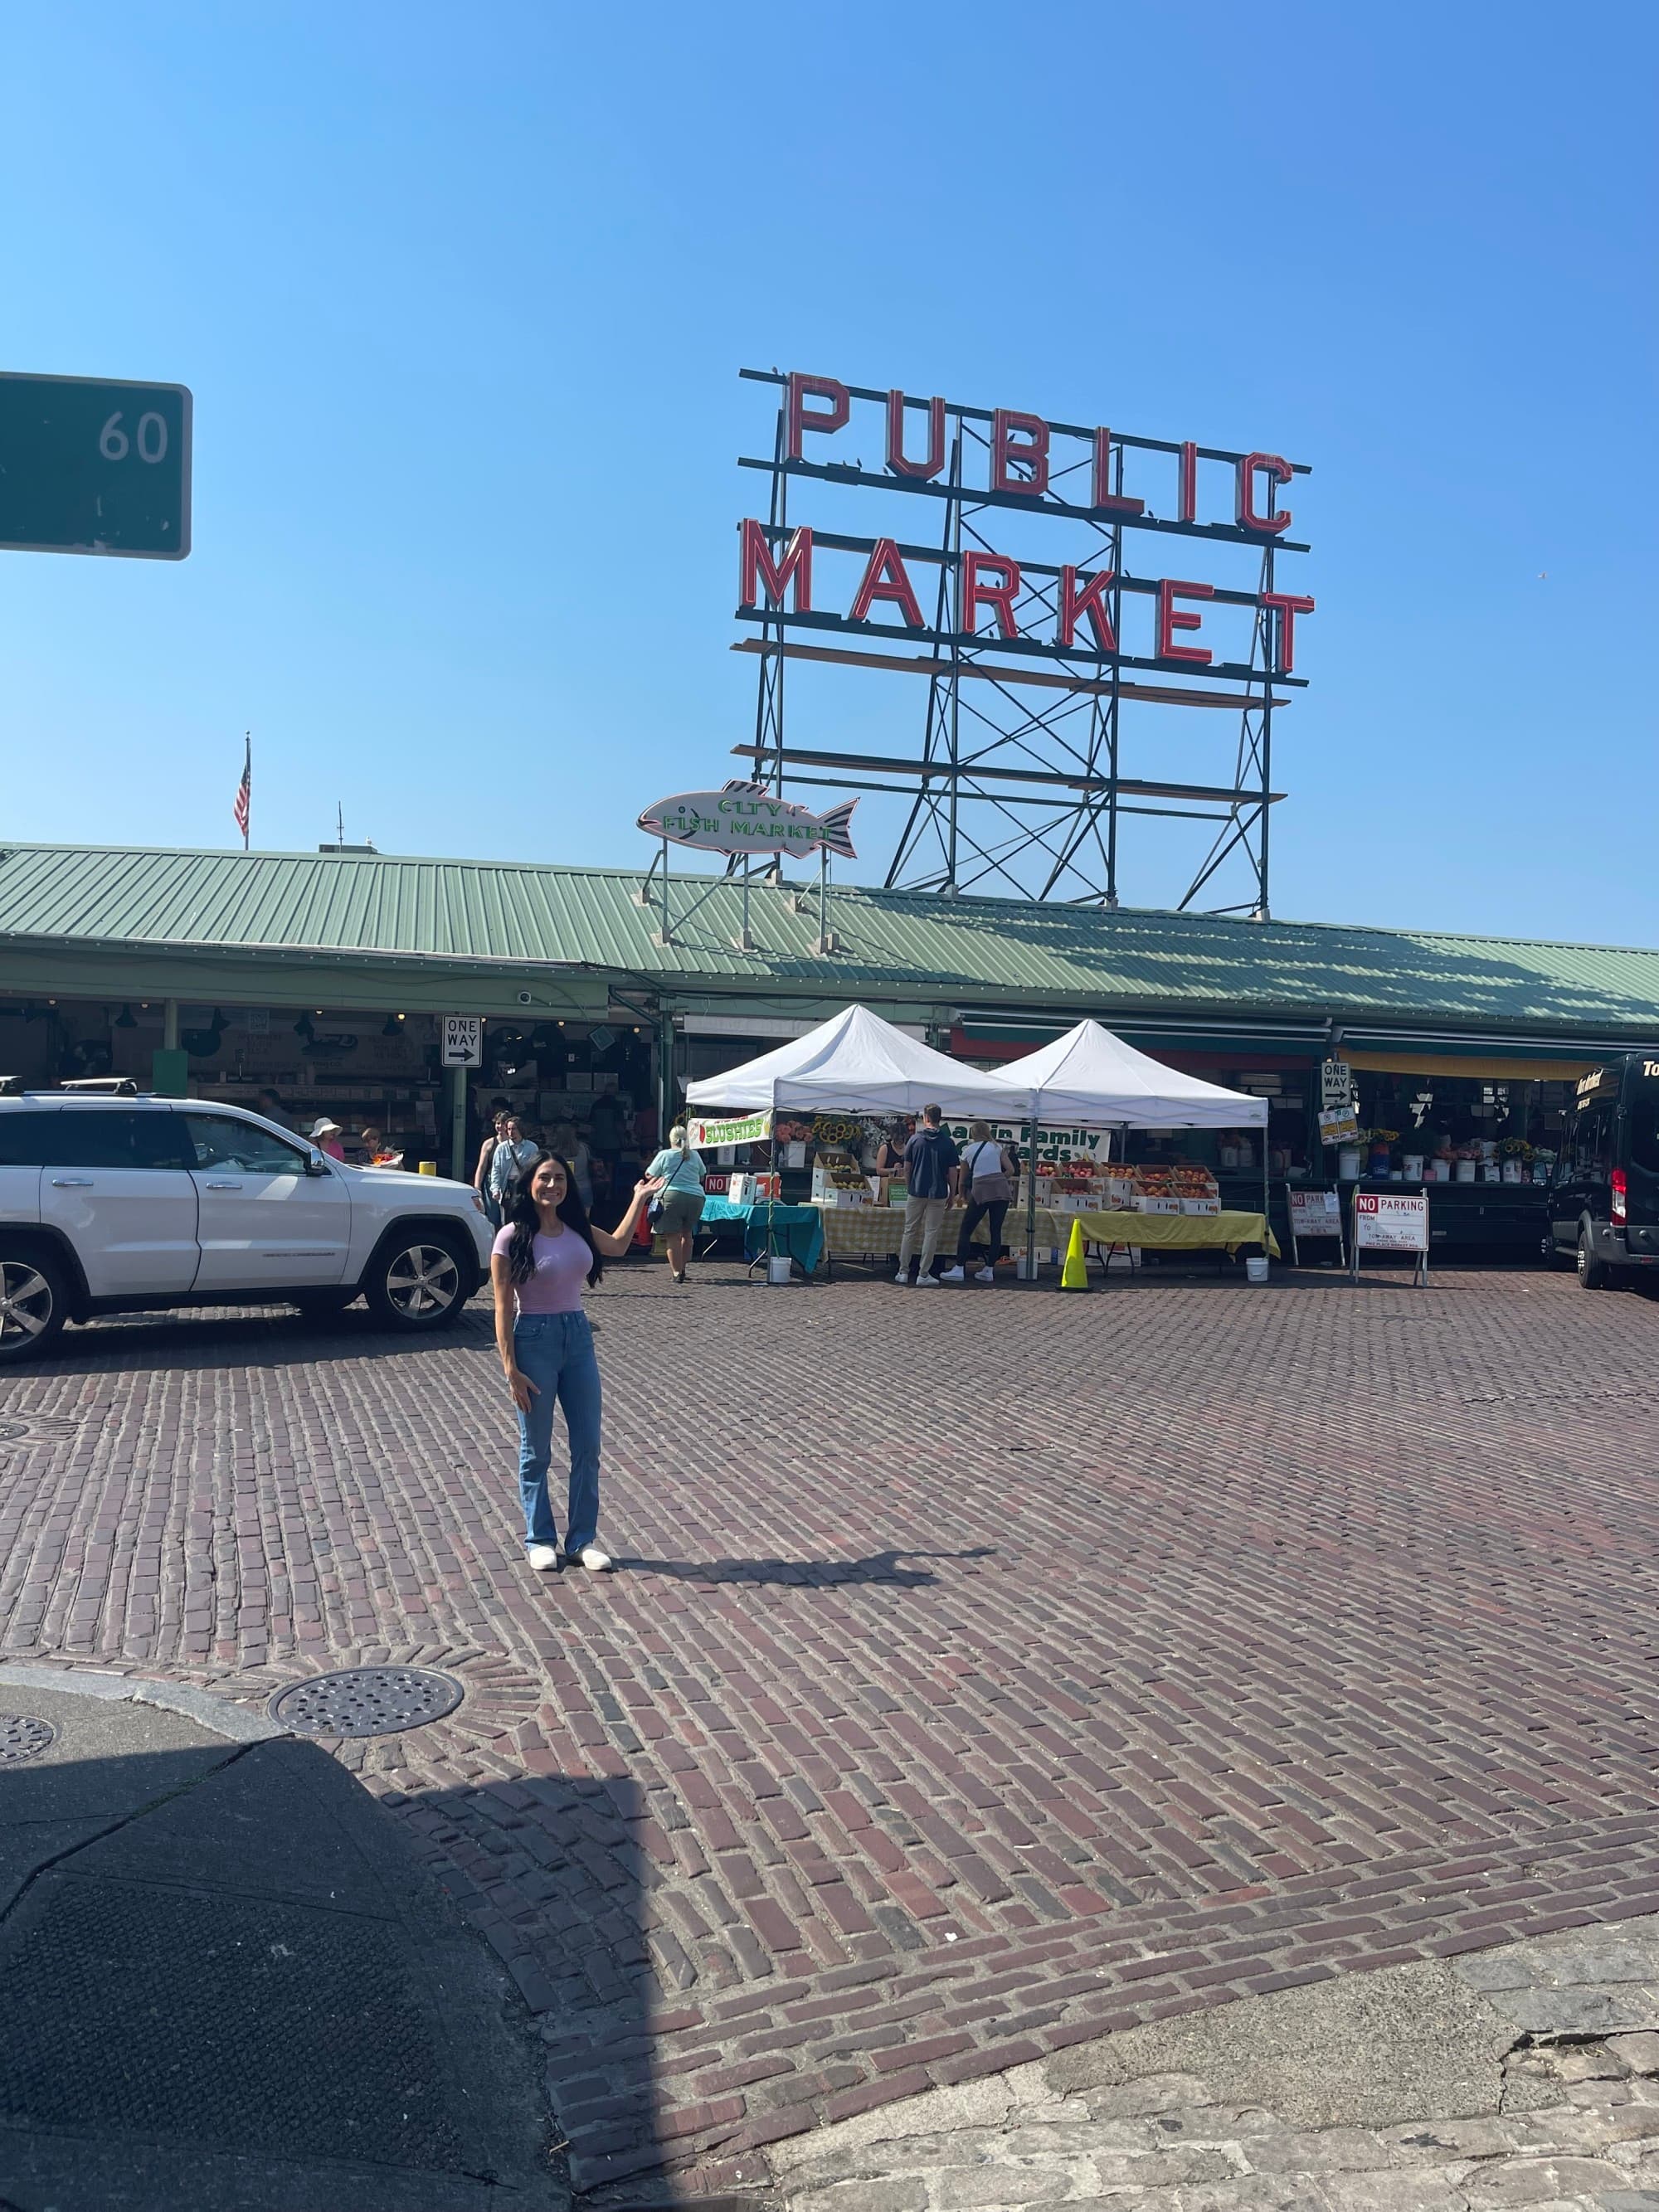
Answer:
(325, 1135)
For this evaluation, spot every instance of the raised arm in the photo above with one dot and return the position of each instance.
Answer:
(614, 1242)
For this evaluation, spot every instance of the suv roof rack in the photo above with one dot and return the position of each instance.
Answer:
(103, 1086)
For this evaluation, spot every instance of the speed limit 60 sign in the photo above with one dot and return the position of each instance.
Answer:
(93, 467)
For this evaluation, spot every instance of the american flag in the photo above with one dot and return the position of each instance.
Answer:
(245, 790)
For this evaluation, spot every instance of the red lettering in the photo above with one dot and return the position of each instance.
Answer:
(999, 595)
(896, 460)
(1104, 496)
(756, 563)
(1279, 472)
(1091, 601)
(1187, 506)
(1170, 618)
(886, 578)
(1286, 607)
(803, 388)
(1030, 450)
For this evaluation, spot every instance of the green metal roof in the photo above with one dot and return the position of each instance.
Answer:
(993, 953)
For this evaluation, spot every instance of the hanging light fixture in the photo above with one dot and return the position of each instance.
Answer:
(126, 1019)
(302, 1028)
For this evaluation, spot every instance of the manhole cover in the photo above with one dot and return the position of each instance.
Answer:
(23, 1736)
(367, 1701)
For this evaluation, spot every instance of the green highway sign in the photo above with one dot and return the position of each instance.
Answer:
(89, 465)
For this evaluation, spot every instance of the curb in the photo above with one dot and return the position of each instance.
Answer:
(201, 1706)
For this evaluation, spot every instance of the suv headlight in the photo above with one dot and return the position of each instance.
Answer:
(477, 1200)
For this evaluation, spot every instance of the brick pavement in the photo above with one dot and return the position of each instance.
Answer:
(1171, 1645)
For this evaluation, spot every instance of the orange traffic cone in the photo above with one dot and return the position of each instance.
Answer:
(1074, 1275)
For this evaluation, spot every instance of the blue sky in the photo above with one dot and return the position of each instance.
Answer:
(462, 295)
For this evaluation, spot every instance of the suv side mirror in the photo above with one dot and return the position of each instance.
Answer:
(316, 1165)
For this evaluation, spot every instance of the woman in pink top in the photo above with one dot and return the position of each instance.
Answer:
(542, 1256)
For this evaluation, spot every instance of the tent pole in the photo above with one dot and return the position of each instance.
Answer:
(1030, 1197)
(1265, 1226)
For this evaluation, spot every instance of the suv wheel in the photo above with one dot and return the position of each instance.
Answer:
(417, 1280)
(1593, 1274)
(32, 1307)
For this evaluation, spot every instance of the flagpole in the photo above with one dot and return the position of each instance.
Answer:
(247, 784)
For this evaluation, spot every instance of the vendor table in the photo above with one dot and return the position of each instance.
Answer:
(1167, 1232)
(768, 1226)
(852, 1231)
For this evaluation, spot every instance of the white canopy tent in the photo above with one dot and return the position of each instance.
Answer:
(857, 1062)
(1093, 1080)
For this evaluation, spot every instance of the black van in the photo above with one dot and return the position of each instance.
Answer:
(1604, 1201)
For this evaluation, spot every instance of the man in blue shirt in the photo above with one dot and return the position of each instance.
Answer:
(930, 1162)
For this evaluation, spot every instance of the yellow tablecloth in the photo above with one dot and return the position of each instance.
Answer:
(1175, 1232)
(850, 1230)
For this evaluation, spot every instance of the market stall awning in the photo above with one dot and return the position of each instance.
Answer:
(856, 1062)
(1092, 1078)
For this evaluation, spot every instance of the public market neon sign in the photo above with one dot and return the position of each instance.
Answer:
(1067, 471)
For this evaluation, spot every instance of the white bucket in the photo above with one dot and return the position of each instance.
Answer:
(1026, 1265)
(779, 1268)
(1256, 1271)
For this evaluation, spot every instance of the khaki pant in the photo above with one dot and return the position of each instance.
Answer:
(927, 1215)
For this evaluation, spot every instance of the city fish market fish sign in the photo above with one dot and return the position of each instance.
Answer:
(747, 817)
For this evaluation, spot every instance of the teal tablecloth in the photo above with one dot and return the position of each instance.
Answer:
(796, 1230)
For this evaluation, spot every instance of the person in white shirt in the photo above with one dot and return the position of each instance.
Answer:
(985, 1179)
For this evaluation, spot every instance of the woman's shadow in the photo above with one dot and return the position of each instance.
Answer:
(879, 1569)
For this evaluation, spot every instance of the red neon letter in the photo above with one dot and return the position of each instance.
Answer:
(976, 595)
(1170, 618)
(1187, 506)
(1031, 450)
(1287, 609)
(1104, 495)
(1279, 472)
(896, 460)
(756, 563)
(1074, 604)
(885, 577)
(801, 388)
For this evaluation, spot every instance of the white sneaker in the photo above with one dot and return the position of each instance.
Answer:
(925, 1281)
(544, 1557)
(596, 1561)
(986, 1275)
(902, 1276)
(953, 1275)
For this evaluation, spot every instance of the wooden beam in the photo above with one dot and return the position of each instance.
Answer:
(910, 664)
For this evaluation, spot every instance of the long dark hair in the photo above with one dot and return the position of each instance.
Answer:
(519, 1214)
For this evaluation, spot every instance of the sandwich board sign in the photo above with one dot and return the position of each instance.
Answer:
(1392, 1221)
(462, 1041)
(1314, 1213)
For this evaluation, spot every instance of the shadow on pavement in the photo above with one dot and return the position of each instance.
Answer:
(275, 1335)
(879, 1568)
(226, 1982)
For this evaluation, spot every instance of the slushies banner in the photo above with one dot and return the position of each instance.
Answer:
(751, 1129)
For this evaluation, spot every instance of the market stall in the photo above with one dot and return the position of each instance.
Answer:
(1092, 1080)
(849, 1069)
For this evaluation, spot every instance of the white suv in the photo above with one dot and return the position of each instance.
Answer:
(109, 1205)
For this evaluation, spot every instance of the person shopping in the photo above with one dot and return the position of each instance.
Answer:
(544, 1252)
(680, 1172)
(985, 1179)
(929, 1159)
(514, 1155)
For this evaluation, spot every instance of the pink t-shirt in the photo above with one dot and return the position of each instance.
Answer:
(561, 1265)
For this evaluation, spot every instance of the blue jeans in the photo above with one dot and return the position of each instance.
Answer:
(556, 1350)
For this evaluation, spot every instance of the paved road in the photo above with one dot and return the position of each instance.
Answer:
(988, 1671)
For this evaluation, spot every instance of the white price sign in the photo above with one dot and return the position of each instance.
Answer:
(462, 1041)
(1383, 1222)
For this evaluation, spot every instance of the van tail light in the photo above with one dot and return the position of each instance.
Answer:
(1619, 1190)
